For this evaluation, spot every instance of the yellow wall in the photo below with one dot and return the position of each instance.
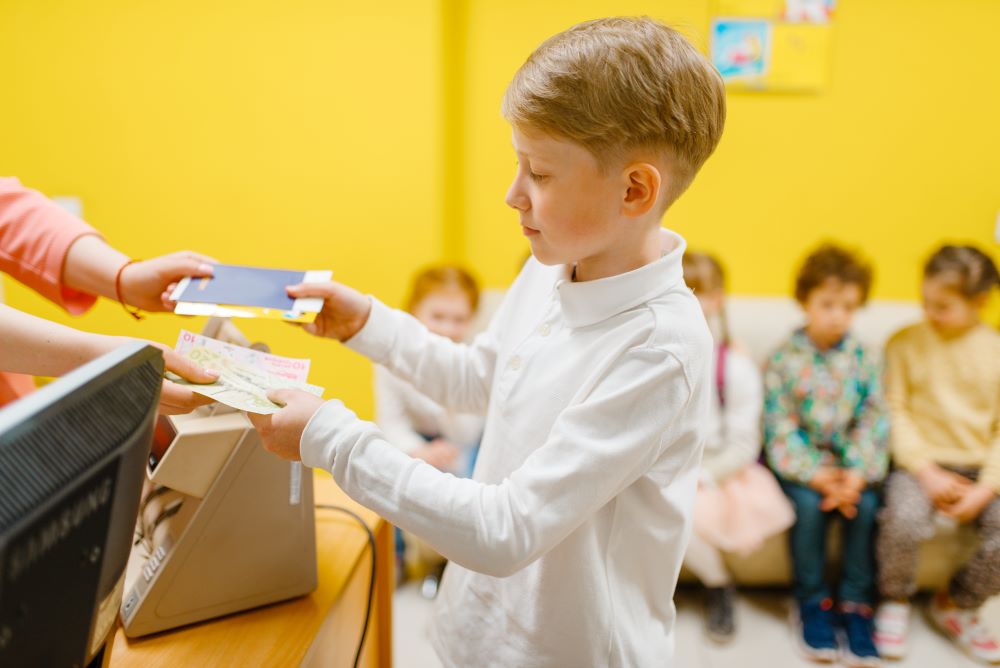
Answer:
(366, 138)
(901, 151)
(299, 134)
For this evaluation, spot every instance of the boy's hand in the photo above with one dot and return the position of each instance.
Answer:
(281, 432)
(971, 504)
(345, 310)
(944, 488)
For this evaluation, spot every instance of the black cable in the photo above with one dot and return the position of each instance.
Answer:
(371, 581)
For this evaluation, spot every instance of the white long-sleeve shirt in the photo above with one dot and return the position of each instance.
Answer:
(407, 418)
(566, 543)
(733, 436)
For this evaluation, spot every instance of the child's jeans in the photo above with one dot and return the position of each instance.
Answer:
(807, 542)
(908, 519)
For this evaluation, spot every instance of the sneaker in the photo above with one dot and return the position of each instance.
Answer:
(964, 629)
(429, 587)
(719, 619)
(815, 633)
(891, 624)
(859, 627)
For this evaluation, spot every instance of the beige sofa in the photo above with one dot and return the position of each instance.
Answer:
(761, 324)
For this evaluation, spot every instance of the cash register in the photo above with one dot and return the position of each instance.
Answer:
(223, 526)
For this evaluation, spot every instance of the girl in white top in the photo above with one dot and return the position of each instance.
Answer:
(738, 503)
(444, 299)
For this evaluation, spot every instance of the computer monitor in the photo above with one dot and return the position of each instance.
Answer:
(72, 461)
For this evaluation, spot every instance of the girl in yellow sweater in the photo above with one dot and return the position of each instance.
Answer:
(943, 389)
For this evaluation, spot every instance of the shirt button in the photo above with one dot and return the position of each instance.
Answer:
(515, 362)
(545, 329)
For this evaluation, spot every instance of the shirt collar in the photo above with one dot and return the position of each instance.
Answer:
(590, 302)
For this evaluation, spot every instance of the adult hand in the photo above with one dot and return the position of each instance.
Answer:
(145, 284)
(345, 310)
(942, 486)
(281, 432)
(176, 399)
(971, 504)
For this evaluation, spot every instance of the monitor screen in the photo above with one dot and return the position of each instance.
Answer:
(72, 460)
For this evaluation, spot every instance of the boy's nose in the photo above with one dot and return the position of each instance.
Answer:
(516, 199)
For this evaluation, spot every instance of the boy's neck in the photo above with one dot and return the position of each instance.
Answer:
(822, 344)
(628, 254)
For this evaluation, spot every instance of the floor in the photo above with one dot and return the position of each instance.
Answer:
(763, 639)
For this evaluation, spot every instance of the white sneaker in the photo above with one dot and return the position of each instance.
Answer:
(892, 621)
(964, 629)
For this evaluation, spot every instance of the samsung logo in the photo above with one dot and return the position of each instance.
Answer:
(43, 539)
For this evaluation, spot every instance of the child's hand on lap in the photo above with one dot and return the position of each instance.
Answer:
(825, 481)
(281, 432)
(944, 488)
(974, 500)
(841, 490)
(439, 453)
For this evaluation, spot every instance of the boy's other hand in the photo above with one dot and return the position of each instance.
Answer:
(971, 504)
(145, 284)
(281, 432)
(345, 310)
(943, 487)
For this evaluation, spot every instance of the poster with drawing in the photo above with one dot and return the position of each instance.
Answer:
(741, 48)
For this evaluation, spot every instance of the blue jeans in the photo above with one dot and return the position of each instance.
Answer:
(807, 543)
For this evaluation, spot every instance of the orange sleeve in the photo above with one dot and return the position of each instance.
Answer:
(35, 236)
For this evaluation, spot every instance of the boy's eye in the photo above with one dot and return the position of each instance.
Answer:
(537, 177)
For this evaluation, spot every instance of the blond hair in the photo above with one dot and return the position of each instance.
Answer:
(443, 277)
(615, 85)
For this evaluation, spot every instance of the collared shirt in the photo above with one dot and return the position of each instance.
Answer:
(825, 408)
(566, 543)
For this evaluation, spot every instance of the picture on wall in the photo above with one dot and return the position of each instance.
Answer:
(741, 48)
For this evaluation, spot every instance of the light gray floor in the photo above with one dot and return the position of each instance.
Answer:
(764, 639)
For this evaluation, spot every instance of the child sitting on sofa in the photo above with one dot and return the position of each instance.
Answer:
(943, 389)
(825, 432)
(738, 504)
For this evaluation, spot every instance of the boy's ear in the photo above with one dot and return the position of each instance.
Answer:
(642, 189)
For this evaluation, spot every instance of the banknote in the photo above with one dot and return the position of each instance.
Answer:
(240, 385)
(289, 368)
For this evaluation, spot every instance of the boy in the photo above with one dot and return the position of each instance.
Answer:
(825, 433)
(566, 544)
